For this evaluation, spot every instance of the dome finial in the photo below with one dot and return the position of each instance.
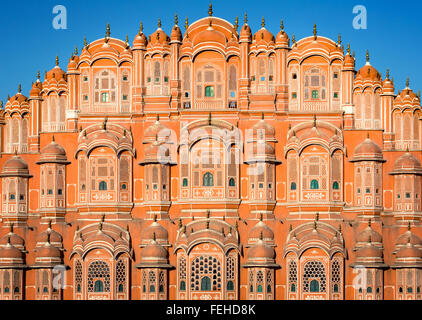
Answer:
(315, 225)
(314, 121)
(369, 223)
(317, 216)
(236, 23)
(57, 61)
(11, 228)
(261, 236)
(1, 104)
(261, 217)
(141, 28)
(210, 10)
(76, 51)
(348, 49)
(315, 31)
(154, 236)
(388, 74)
(339, 39)
(367, 55)
(38, 75)
(53, 139)
(294, 39)
(19, 88)
(208, 224)
(209, 119)
(263, 22)
(408, 226)
(155, 218)
(282, 26)
(246, 18)
(159, 23)
(108, 30)
(85, 43)
(407, 82)
(176, 19)
(186, 23)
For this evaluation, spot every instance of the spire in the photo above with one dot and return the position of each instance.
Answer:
(348, 49)
(246, 18)
(1, 104)
(186, 23)
(388, 74)
(108, 30)
(141, 28)
(315, 31)
(176, 19)
(85, 43)
(76, 51)
(263, 22)
(159, 23)
(282, 26)
(367, 56)
(19, 88)
(294, 39)
(339, 39)
(57, 61)
(236, 23)
(210, 10)
(407, 82)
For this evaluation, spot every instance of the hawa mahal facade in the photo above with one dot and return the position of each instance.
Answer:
(218, 163)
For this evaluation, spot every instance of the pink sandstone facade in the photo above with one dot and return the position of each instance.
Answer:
(217, 163)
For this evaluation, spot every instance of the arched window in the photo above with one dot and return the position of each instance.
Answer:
(99, 286)
(251, 288)
(16, 290)
(314, 184)
(230, 286)
(102, 186)
(335, 288)
(335, 185)
(78, 288)
(208, 180)
(259, 288)
(161, 288)
(152, 288)
(45, 290)
(232, 183)
(209, 91)
(182, 286)
(120, 289)
(293, 288)
(205, 284)
(369, 290)
(293, 186)
(185, 182)
(314, 286)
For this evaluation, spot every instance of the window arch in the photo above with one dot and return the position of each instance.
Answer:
(98, 277)
(208, 180)
(230, 286)
(205, 284)
(293, 186)
(314, 286)
(232, 183)
(336, 185)
(314, 184)
(102, 186)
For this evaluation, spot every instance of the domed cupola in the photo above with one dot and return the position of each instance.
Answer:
(282, 39)
(388, 85)
(407, 164)
(14, 239)
(407, 97)
(408, 256)
(159, 37)
(408, 237)
(10, 256)
(263, 127)
(368, 235)
(53, 153)
(349, 60)
(263, 35)
(258, 229)
(176, 33)
(245, 32)
(156, 132)
(140, 41)
(368, 72)
(15, 167)
(154, 255)
(367, 151)
(260, 255)
(161, 234)
(55, 75)
(18, 101)
(47, 255)
(49, 235)
(36, 88)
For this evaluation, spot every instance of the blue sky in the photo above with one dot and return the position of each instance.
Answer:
(30, 43)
